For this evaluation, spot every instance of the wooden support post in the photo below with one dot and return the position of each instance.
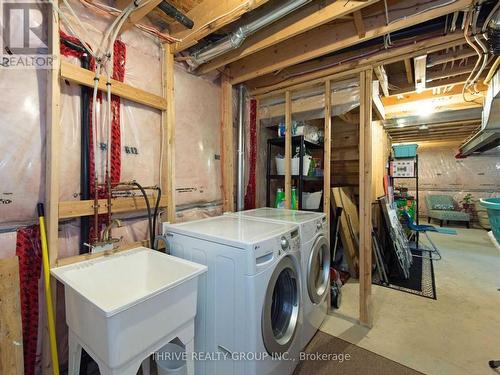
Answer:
(11, 333)
(168, 142)
(365, 199)
(53, 111)
(258, 190)
(288, 149)
(409, 71)
(327, 152)
(227, 142)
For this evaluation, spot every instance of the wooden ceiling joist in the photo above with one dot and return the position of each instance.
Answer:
(443, 58)
(210, 16)
(359, 24)
(427, 94)
(432, 123)
(439, 103)
(349, 61)
(408, 70)
(333, 37)
(138, 14)
(436, 74)
(383, 80)
(430, 137)
(300, 21)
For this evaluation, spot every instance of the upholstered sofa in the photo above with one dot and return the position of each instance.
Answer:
(444, 209)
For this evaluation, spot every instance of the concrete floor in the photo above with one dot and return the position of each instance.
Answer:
(456, 334)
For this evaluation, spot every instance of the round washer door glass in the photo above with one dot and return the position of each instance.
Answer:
(280, 312)
(318, 270)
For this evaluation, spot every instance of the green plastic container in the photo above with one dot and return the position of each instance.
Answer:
(280, 199)
(405, 151)
(492, 206)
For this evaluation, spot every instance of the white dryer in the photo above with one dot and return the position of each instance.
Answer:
(315, 261)
(249, 310)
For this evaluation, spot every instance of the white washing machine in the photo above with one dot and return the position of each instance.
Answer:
(249, 302)
(315, 263)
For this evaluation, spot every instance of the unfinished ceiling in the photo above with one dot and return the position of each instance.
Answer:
(425, 53)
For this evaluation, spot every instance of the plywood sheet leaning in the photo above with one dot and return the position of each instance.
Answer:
(349, 226)
(11, 337)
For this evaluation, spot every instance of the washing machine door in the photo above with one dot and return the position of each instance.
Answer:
(318, 270)
(280, 313)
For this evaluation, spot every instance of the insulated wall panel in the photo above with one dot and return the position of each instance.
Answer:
(197, 139)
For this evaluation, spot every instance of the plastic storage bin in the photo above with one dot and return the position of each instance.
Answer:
(280, 165)
(492, 206)
(311, 201)
(405, 151)
(170, 360)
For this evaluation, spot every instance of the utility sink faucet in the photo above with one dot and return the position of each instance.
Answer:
(107, 230)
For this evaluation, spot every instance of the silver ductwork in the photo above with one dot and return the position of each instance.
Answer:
(489, 135)
(236, 38)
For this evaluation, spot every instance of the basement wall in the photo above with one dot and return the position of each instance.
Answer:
(441, 173)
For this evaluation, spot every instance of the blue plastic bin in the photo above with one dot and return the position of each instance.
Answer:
(405, 151)
(492, 206)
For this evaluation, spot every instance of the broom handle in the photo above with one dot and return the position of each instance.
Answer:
(48, 291)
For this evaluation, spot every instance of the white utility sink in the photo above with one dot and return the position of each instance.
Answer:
(123, 307)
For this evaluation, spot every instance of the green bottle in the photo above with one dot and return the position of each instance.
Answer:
(280, 198)
(294, 203)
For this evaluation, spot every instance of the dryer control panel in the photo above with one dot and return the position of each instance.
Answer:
(268, 251)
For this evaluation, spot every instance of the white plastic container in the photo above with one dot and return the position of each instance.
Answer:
(169, 360)
(280, 165)
(311, 201)
(125, 306)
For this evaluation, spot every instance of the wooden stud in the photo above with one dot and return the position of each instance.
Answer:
(11, 333)
(288, 149)
(85, 77)
(365, 199)
(300, 21)
(327, 152)
(227, 142)
(359, 24)
(409, 70)
(72, 209)
(168, 123)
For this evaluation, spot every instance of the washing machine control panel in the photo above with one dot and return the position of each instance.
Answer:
(268, 250)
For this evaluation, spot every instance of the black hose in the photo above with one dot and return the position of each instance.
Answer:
(173, 12)
(157, 206)
(150, 223)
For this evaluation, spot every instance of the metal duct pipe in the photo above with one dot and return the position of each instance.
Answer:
(240, 189)
(176, 14)
(236, 38)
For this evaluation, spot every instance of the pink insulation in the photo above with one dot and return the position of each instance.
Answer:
(22, 166)
(22, 120)
(197, 139)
